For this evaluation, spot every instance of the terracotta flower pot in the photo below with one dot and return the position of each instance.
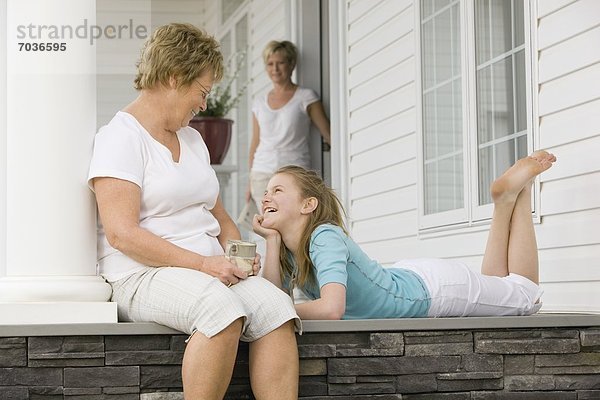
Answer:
(216, 133)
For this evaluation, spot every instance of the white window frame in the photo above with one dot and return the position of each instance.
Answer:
(472, 214)
(340, 140)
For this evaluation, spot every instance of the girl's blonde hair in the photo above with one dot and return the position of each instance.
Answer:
(328, 211)
(181, 51)
(287, 48)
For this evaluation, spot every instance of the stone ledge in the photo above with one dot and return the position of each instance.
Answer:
(541, 320)
(559, 360)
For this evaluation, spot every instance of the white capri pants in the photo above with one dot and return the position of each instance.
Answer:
(190, 301)
(456, 291)
(258, 185)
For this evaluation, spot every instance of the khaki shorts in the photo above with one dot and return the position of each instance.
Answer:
(190, 301)
(457, 291)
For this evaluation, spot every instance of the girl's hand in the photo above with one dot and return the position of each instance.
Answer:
(262, 231)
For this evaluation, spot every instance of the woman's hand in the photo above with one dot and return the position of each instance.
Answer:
(256, 264)
(224, 270)
(261, 230)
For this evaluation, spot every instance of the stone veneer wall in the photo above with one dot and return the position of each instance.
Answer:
(545, 364)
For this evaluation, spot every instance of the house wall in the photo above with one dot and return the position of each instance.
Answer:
(382, 121)
(569, 125)
(269, 20)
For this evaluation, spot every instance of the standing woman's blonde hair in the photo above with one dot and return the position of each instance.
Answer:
(329, 210)
(288, 49)
(181, 51)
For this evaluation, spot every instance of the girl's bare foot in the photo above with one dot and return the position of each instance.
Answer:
(508, 186)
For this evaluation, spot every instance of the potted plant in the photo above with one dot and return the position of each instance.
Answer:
(215, 129)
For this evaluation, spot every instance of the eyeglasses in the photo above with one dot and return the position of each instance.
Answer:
(205, 93)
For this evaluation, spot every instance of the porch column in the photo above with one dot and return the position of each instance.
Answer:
(48, 221)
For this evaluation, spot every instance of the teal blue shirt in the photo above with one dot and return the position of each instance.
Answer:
(371, 290)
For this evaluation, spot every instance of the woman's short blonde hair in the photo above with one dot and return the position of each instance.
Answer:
(181, 51)
(288, 49)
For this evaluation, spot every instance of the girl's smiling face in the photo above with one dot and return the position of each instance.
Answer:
(282, 202)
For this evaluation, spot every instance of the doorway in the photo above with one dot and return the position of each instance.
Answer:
(310, 32)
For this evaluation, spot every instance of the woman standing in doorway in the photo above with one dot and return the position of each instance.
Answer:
(281, 120)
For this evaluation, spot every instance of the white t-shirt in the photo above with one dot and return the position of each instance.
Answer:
(176, 198)
(283, 132)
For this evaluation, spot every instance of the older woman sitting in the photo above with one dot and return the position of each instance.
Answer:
(163, 227)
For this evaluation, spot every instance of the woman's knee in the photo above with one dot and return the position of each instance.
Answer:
(288, 327)
(234, 329)
(216, 310)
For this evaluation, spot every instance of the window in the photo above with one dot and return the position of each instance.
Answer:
(500, 83)
(475, 113)
(442, 122)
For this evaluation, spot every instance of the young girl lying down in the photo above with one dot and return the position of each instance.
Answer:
(309, 248)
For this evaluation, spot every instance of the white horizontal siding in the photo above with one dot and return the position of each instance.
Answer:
(383, 204)
(569, 21)
(397, 150)
(380, 37)
(385, 228)
(585, 189)
(576, 88)
(546, 7)
(381, 122)
(580, 228)
(384, 131)
(570, 125)
(378, 14)
(382, 180)
(561, 264)
(113, 92)
(359, 8)
(449, 246)
(569, 238)
(571, 296)
(210, 16)
(379, 86)
(575, 158)
(398, 100)
(271, 26)
(267, 22)
(570, 55)
(398, 51)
